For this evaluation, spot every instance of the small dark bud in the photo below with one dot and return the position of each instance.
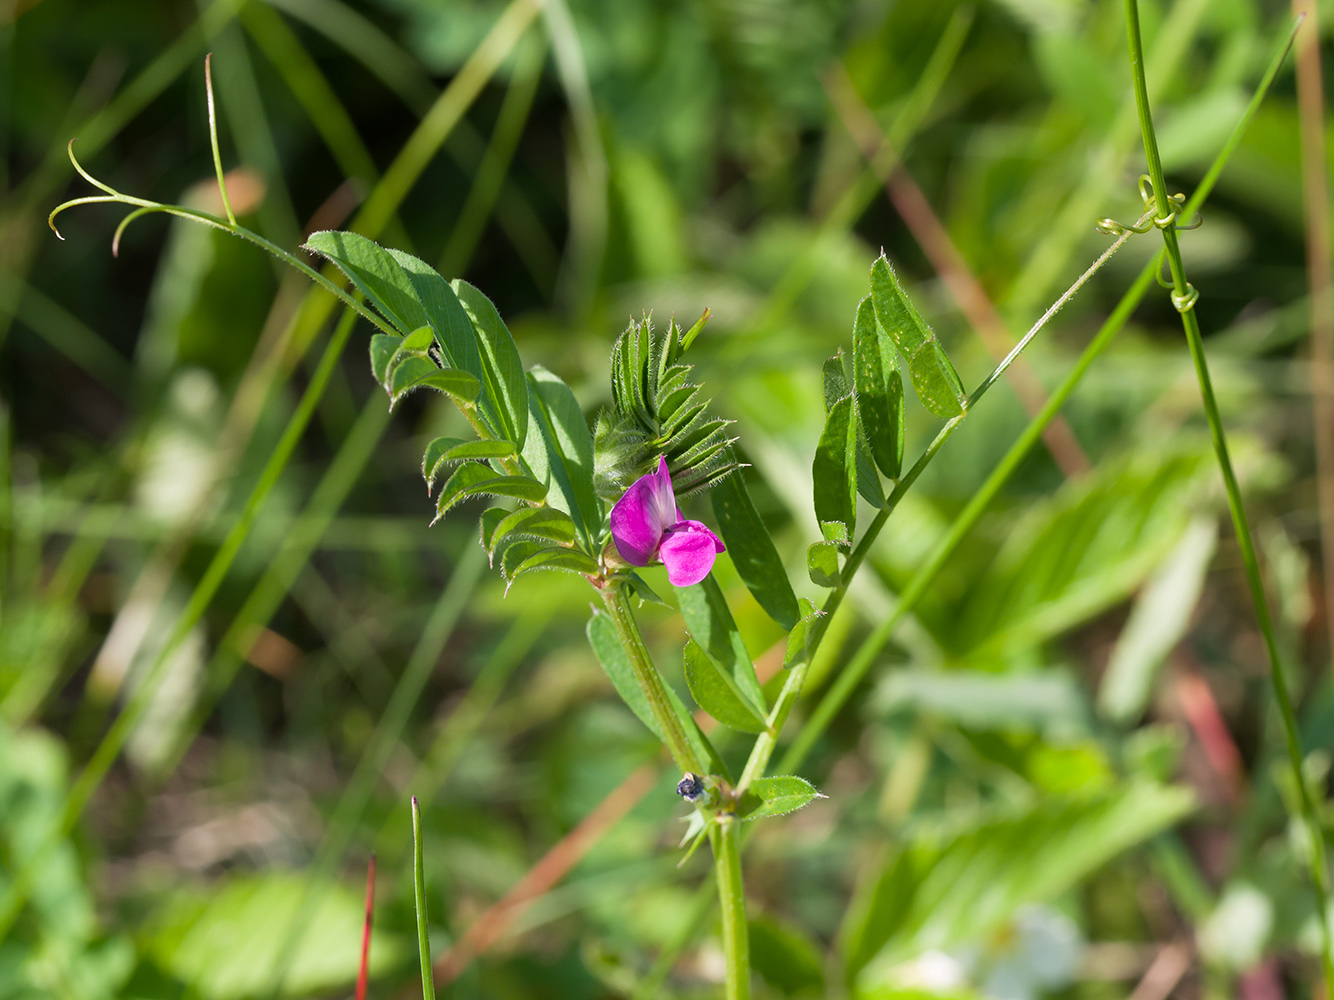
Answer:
(691, 787)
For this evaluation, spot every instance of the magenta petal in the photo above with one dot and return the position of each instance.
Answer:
(688, 552)
(641, 516)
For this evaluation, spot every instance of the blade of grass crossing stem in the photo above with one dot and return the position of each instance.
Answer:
(388, 734)
(1184, 297)
(852, 674)
(419, 894)
(109, 749)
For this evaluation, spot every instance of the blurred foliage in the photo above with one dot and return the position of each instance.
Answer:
(1065, 764)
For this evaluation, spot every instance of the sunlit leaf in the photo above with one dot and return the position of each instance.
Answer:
(714, 690)
(776, 796)
(933, 376)
(835, 467)
(503, 379)
(753, 552)
(879, 390)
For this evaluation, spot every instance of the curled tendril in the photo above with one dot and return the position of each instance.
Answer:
(1185, 301)
(1150, 219)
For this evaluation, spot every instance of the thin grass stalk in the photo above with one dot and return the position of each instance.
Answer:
(419, 890)
(1184, 298)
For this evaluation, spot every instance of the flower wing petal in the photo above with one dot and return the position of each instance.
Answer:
(688, 551)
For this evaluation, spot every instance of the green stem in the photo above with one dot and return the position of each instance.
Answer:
(726, 839)
(627, 630)
(1183, 298)
(419, 886)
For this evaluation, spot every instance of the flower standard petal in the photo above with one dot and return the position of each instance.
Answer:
(637, 520)
(688, 551)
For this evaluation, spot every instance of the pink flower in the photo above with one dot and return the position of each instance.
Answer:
(647, 526)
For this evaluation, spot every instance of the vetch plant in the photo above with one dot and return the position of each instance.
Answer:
(602, 503)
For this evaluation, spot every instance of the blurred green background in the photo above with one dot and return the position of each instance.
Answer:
(1068, 763)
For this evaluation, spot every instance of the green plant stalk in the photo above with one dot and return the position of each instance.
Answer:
(764, 745)
(419, 888)
(726, 841)
(109, 749)
(1184, 299)
(650, 681)
(872, 645)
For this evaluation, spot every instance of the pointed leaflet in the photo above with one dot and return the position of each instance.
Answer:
(443, 450)
(835, 467)
(472, 479)
(710, 622)
(835, 388)
(717, 693)
(558, 558)
(453, 329)
(879, 390)
(531, 522)
(416, 372)
(797, 639)
(375, 273)
(752, 550)
(933, 376)
(611, 655)
(776, 796)
(503, 379)
(822, 564)
(562, 454)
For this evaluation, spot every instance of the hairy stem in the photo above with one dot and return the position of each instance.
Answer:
(726, 839)
(650, 682)
(1183, 297)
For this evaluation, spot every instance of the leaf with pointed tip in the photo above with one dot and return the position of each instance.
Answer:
(797, 639)
(442, 450)
(879, 390)
(776, 796)
(752, 550)
(835, 467)
(473, 479)
(542, 523)
(558, 558)
(822, 564)
(836, 386)
(709, 621)
(717, 693)
(414, 373)
(375, 272)
(933, 376)
(616, 664)
(383, 349)
(503, 379)
(562, 453)
(490, 521)
(453, 329)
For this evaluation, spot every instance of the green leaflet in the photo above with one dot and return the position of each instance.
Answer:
(453, 329)
(472, 479)
(375, 273)
(415, 372)
(443, 450)
(558, 558)
(875, 371)
(822, 563)
(776, 796)
(562, 454)
(933, 376)
(835, 467)
(944, 888)
(835, 388)
(710, 622)
(611, 655)
(503, 377)
(490, 520)
(797, 639)
(752, 550)
(714, 690)
(542, 523)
